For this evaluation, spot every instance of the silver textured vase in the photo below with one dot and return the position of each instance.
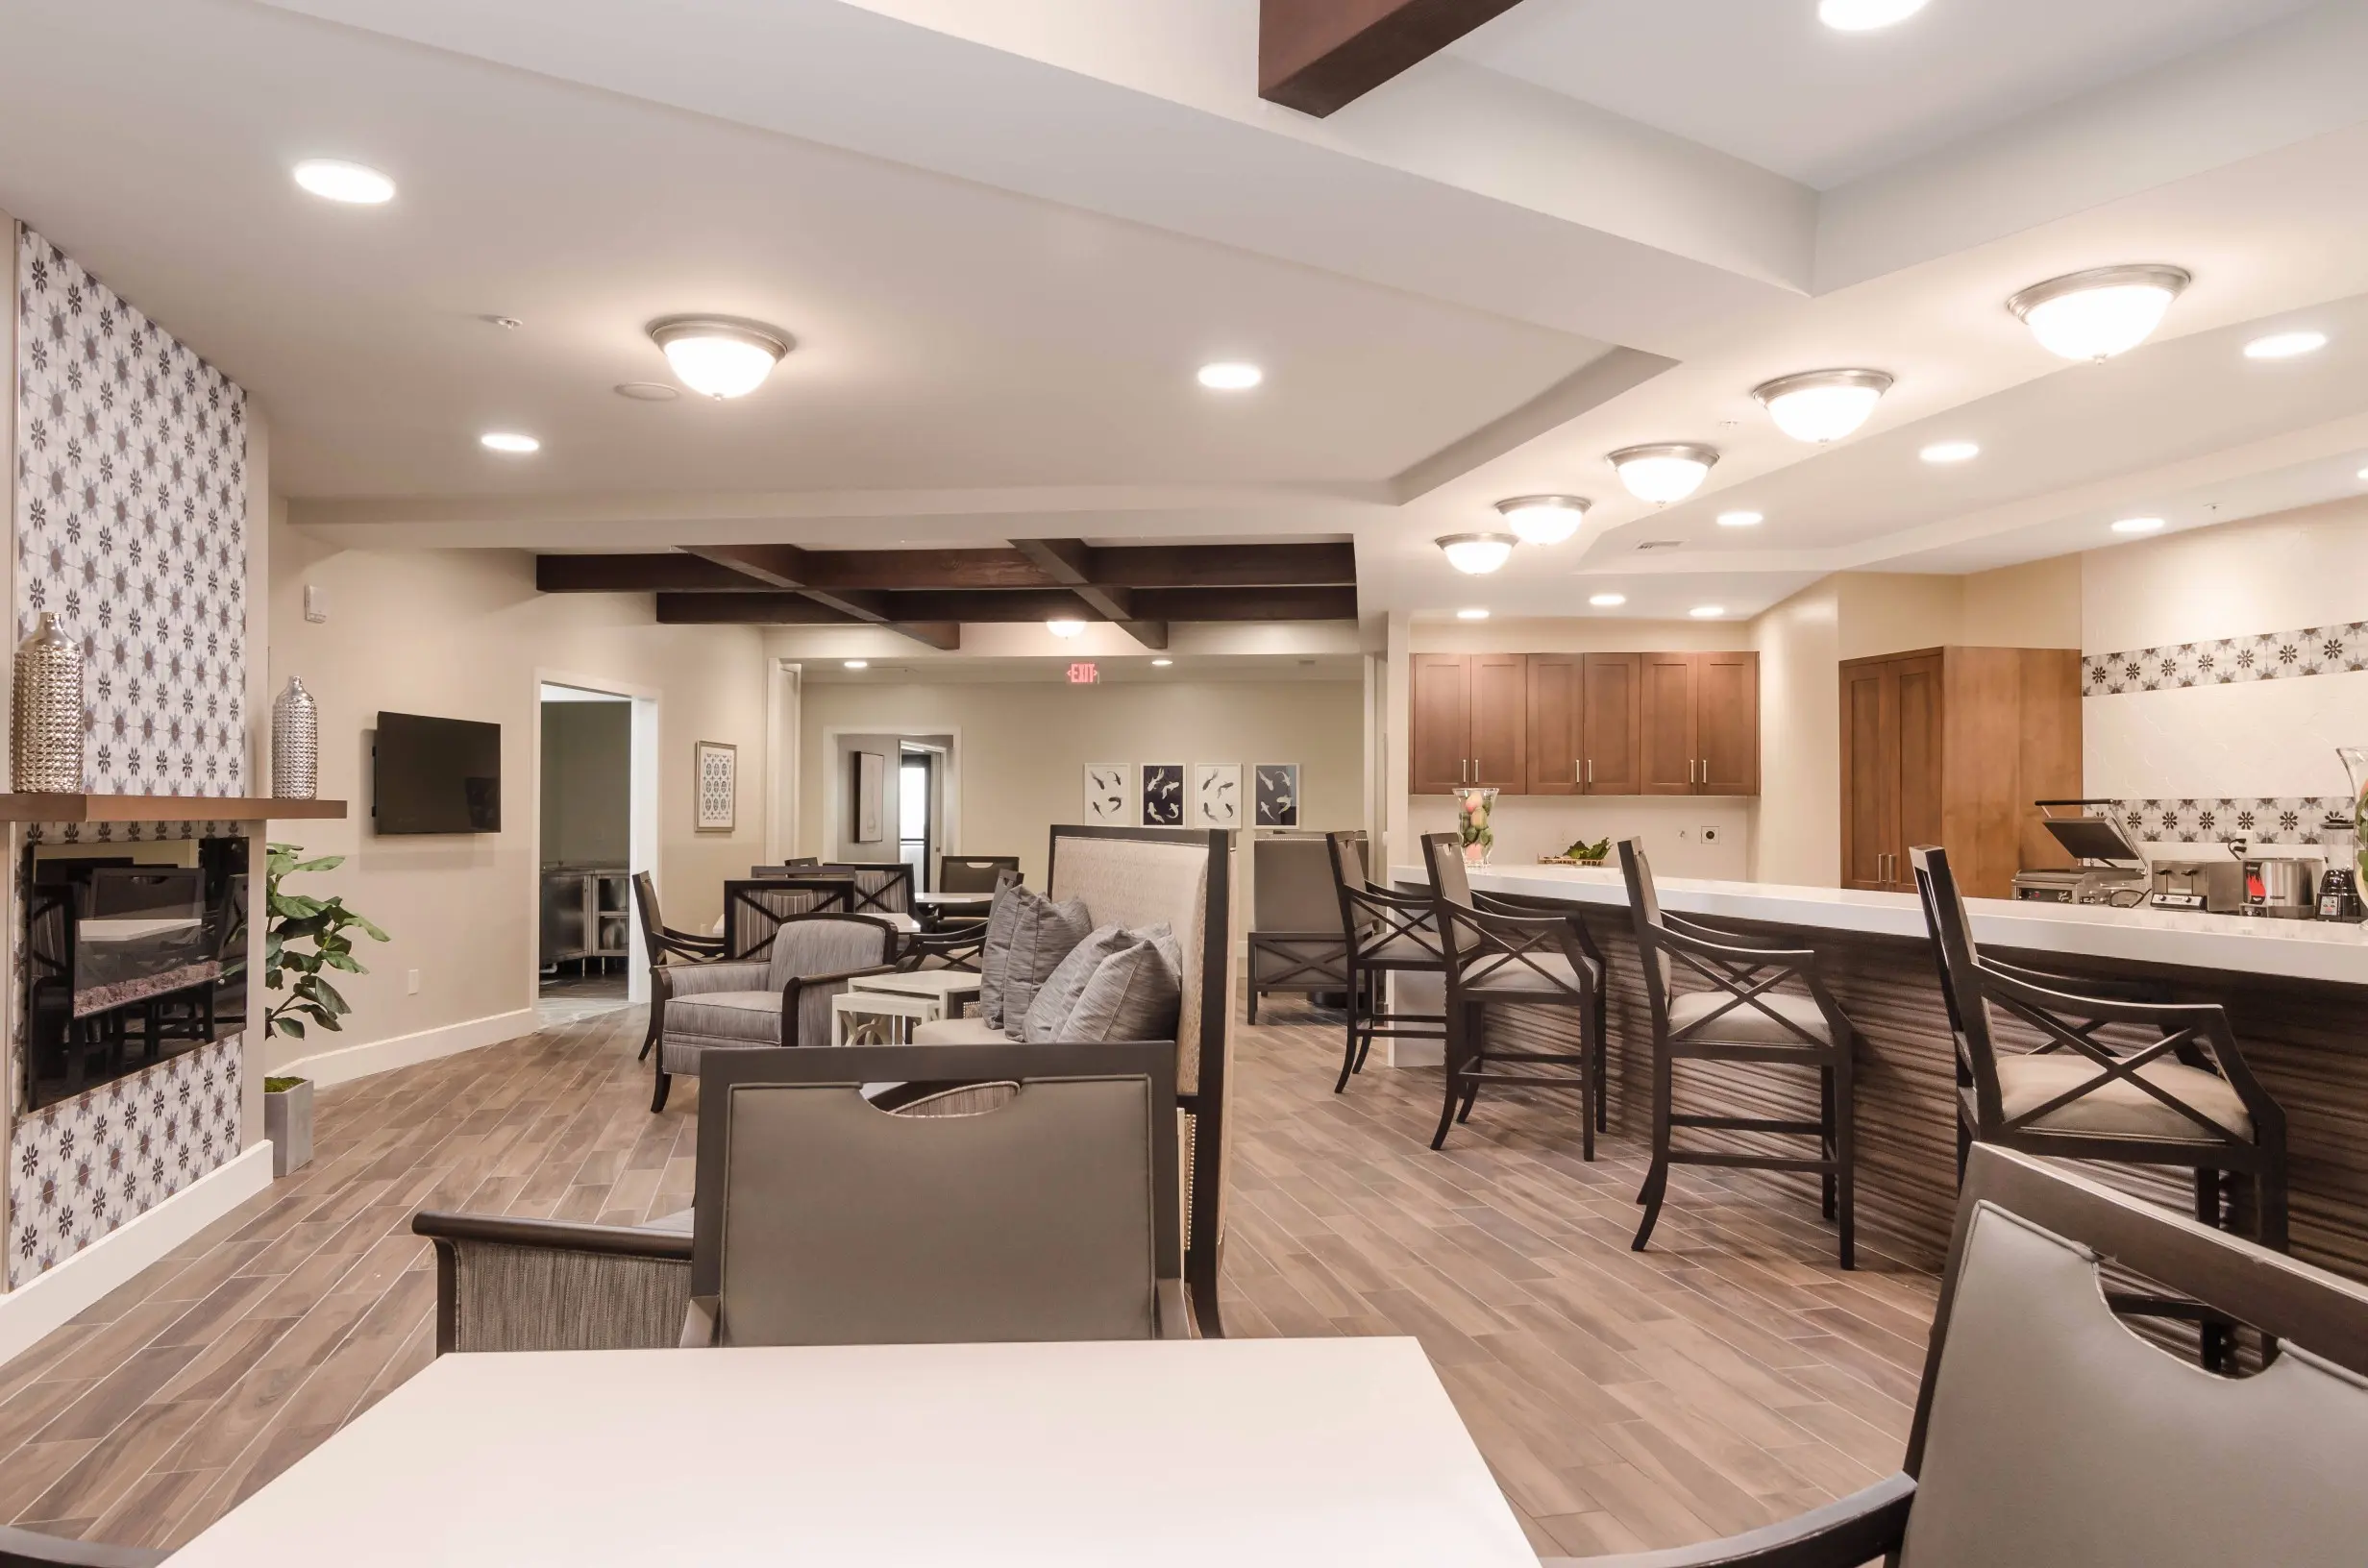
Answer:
(46, 724)
(295, 743)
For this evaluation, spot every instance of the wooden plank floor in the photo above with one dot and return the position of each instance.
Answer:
(1728, 1377)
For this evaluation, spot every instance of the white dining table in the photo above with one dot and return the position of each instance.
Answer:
(1238, 1451)
(955, 900)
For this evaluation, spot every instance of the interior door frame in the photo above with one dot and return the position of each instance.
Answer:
(642, 834)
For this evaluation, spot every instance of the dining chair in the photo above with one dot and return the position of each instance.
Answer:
(974, 874)
(2047, 1435)
(32, 1549)
(1500, 954)
(1385, 934)
(1738, 1015)
(955, 944)
(1296, 943)
(667, 948)
(1047, 1212)
(882, 887)
(782, 1000)
(755, 906)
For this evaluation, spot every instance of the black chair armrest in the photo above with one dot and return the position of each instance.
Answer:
(958, 948)
(2083, 985)
(1706, 932)
(563, 1235)
(1843, 1534)
(1726, 949)
(1498, 903)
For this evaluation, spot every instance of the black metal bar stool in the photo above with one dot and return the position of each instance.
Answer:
(1498, 954)
(1387, 933)
(1740, 1015)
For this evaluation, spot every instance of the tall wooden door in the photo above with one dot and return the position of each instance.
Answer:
(1869, 773)
(1919, 728)
(1439, 730)
(1727, 723)
(1671, 762)
(1557, 722)
(1499, 718)
(1612, 749)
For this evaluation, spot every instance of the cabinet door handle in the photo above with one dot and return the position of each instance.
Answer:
(1590, 770)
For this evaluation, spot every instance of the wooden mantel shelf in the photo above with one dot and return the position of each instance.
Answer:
(160, 808)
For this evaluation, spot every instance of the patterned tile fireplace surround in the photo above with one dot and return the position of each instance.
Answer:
(131, 526)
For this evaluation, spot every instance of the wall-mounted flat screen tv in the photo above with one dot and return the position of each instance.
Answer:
(436, 775)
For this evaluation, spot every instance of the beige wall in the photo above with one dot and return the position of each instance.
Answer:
(463, 634)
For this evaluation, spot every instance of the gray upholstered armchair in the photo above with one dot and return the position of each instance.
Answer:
(780, 996)
(2047, 1433)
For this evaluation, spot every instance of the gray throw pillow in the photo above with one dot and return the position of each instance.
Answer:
(1042, 934)
(995, 956)
(1134, 993)
(1059, 992)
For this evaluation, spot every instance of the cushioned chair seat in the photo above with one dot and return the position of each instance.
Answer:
(2118, 1108)
(1744, 1024)
(970, 1030)
(1538, 971)
(1404, 950)
(750, 1017)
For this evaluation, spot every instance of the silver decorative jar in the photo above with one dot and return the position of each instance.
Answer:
(46, 724)
(295, 743)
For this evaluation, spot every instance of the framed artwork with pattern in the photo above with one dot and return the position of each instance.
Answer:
(1162, 794)
(717, 778)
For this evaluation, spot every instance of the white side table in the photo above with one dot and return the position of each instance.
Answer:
(951, 988)
(881, 1018)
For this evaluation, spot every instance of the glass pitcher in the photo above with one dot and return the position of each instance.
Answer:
(2355, 761)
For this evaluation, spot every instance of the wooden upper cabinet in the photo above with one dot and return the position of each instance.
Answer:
(1439, 728)
(1727, 723)
(1557, 719)
(1500, 750)
(1612, 734)
(1671, 762)
(1919, 729)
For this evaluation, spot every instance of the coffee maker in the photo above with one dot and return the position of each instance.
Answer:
(2339, 889)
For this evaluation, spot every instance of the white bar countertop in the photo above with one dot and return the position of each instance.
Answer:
(2284, 950)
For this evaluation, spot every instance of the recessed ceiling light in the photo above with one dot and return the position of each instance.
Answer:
(1865, 16)
(1062, 626)
(510, 441)
(1472, 615)
(2138, 524)
(1230, 376)
(1477, 553)
(1706, 612)
(337, 180)
(647, 391)
(1161, 664)
(1740, 520)
(1665, 471)
(1950, 452)
(2285, 344)
(2101, 312)
(857, 664)
(1607, 602)
(1821, 405)
(718, 355)
(1543, 520)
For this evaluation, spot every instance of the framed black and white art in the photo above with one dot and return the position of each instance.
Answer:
(1106, 795)
(1162, 794)
(1278, 793)
(716, 771)
(1216, 794)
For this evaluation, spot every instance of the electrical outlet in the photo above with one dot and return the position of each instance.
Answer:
(1710, 834)
(316, 602)
(411, 983)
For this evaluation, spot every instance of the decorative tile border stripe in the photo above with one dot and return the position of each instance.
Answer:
(2277, 655)
(128, 832)
(2256, 820)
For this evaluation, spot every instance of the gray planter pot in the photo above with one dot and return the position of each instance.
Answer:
(287, 1120)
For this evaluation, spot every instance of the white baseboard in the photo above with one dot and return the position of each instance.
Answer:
(48, 1300)
(346, 1063)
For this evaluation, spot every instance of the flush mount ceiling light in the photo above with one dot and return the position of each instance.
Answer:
(1543, 520)
(717, 355)
(1607, 602)
(1821, 405)
(1865, 16)
(1706, 612)
(647, 391)
(1472, 615)
(334, 179)
(1740, 520)
(1477, 553)
(1062, 626)
(1950, 452)
(2285, 344)
(1230, 376)
(1161, 664)
(857, 664)
(2101, 312)
(2138, 524)
(1663, 472)
(510, 441)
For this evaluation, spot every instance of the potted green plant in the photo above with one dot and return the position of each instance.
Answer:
(303, 938)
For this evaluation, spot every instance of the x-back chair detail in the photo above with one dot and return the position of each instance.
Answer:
(1387, 933)
(1740, 1015)
(1498, 952)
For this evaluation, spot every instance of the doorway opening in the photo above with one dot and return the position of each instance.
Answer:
(917, 813)
(590, 842)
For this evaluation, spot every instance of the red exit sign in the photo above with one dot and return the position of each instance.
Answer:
(1084, 672)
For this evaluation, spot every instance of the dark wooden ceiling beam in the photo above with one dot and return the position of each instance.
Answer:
(790, 566)
(671, 571)
(1112, 566)
(1319, 603)
(936, 608)
(754, 607)
(1315, 55)
(1225, 565)
(1074, 562)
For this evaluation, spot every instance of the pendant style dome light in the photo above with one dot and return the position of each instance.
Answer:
(1820, 405)
(717, 356)
(1478, 553)
(1543, 520)
(2101, 312)
(1665, 471)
